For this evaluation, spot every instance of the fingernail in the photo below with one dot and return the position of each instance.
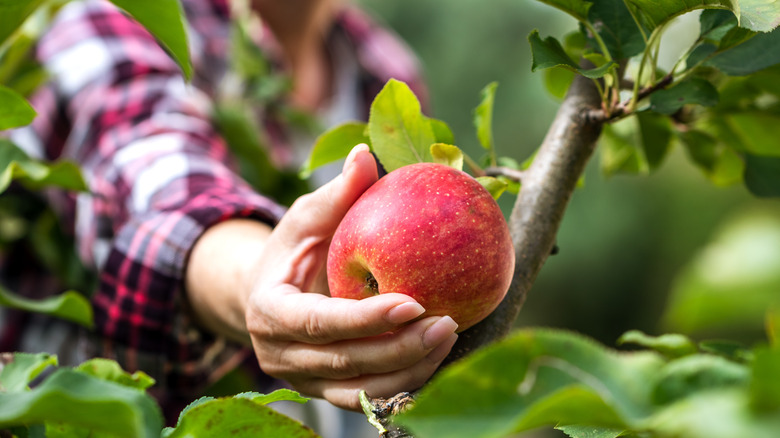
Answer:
(438, 332)
(439, 353)
(404, 312)
(351, 157)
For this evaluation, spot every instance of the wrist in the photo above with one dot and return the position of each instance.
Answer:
(221, 274)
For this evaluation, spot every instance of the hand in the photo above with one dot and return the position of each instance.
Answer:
(333, 347)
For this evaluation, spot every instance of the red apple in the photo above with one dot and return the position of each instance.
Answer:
(428, 231)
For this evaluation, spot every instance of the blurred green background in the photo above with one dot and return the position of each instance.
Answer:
(627, 241)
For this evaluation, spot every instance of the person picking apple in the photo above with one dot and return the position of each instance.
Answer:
(277, 300)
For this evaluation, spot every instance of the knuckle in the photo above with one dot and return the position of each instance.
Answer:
(272, 362)
(314, 329)
(342, 366)
(302, 201)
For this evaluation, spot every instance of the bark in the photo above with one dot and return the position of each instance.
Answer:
(547, 187)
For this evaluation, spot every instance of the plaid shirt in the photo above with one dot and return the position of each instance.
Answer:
(158, 173)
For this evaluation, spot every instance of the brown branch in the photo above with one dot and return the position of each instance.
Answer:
(513, 174)
(548, 185)
(622, 109)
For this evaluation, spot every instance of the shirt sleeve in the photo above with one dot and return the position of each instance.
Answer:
(158, 176)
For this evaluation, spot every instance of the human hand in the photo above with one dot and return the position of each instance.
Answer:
(333, 347)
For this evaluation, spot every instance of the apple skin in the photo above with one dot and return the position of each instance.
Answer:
(428, 231)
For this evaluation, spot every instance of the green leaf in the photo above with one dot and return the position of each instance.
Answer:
(731, 350)
(773, 326)
(718, 161)
(278, 395)
(165, 20)
(757, 130)
(15, 111)
(765, 386)
(754, 54)
(618, 149)
(496, 187)
(658, 12)
(720, 413)
(236, 417)
(697, 373)
(557, 81)
(75, 398)
(576, 8)
(671, 345)
(109, 370)
(400, 134)
(16, 165)
(762, 175)
(69, 305)
(714, 23)
(760, 15)
(713, 414)
(727, 287)
(12, 15)
(448, 155)
(617, 28)
(483, 116)
(635, 144)
(700, 55)
(655, 137)
(692, 91)
(23, 368)
(242, 134)
(734, 37)
(335, 144)
(554, 375)
(441, 131)
(549, 53)
(584, 431)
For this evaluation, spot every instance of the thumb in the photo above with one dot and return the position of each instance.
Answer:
(320, 212)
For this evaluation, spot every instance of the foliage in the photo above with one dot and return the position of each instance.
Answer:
(566, 380)
(22, 23)
(255, 98)
(720, 102)
(727, 287)
(96, 398)
(244, 415)
(399, 134)
(716, 100)
(99, 399)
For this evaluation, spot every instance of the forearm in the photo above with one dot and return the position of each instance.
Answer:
(220, 275)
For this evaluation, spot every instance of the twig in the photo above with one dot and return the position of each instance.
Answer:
(622, 109)
(513, 174)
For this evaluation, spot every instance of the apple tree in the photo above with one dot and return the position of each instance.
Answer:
(719, 102)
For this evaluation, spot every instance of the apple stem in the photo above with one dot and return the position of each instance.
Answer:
(371, 284)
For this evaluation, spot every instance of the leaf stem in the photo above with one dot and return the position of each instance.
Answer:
(647, 53)
(475, 168)
(368, 409)
(607, 90)
(513, 174)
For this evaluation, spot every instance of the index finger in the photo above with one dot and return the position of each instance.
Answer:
(286, 314)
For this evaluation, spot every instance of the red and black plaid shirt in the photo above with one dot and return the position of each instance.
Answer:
(157, 171)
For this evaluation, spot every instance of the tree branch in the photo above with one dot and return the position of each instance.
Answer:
(547, 187)
(513, 174)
